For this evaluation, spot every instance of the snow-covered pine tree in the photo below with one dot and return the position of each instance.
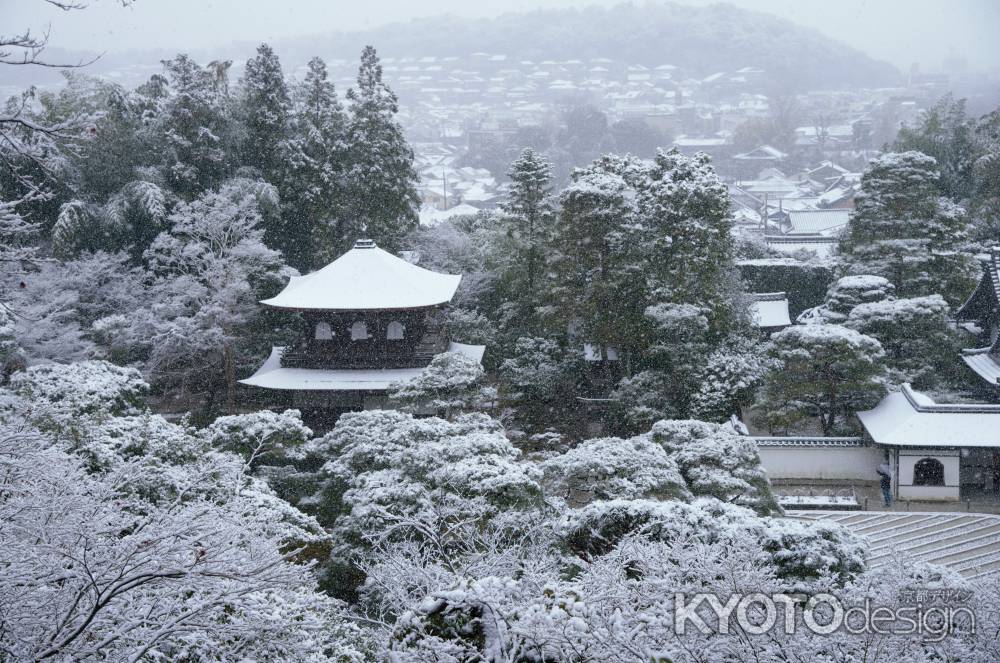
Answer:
(382, 196)
(313, 172)
(827, 372)
(920, 346)
(901, 229)
(688, 239)
(844, 294)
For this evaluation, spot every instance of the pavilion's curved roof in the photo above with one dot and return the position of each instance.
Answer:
(366, 278)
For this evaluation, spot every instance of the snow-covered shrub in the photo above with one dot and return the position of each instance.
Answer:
(617, 603)
(451, 383)
(613, 468)
(470, 326)
(716, 462)
(599, 526)
(641, 399)
(263, 437)
(393, 478)
(59, 394)
(729, 379)
(818, 552)
(843, 295)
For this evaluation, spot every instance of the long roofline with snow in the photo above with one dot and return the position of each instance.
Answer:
(908, 418)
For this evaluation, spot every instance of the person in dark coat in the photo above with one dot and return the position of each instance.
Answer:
(885, 481)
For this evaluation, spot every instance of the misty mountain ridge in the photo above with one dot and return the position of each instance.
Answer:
(698, 40)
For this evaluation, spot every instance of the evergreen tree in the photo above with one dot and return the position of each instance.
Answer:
(381, 197)
(118, 147)
(194, 128)
(903, 231)
(944, 132)
(828, 372)
(688, 239)
(527, 220)
(920, 346)
(844, 294)
(265, 109)
(985, 204)
(601, 290)
(314, 166)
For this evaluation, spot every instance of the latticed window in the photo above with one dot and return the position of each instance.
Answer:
(359, 331)
(323, 331)
(395, 331)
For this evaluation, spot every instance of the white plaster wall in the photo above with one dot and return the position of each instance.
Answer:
(857, 463)
(907, 463)
(949, 491)
(937, 493)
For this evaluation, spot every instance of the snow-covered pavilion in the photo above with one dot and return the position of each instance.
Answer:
(370, 319)
(937, 451)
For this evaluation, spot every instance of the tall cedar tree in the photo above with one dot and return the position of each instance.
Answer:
(194, 127)
(314, 169)
(528, 218)
(266, 108)
(382, 196)
(902, 230)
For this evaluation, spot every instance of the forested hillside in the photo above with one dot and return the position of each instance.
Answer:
(700, 40)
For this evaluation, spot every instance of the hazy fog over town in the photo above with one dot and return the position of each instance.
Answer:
(514, 331)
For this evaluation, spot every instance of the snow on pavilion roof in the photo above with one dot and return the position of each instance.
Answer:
(907, 418)
(366, 278)
(983, 361)
(272, 375)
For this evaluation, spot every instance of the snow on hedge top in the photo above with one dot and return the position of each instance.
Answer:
(363, 279)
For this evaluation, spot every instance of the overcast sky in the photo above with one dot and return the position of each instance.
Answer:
(900, 31)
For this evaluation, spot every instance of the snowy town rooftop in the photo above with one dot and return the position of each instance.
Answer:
(366, 278)
(910, 418)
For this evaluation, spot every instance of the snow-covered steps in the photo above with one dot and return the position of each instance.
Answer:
(966, 542)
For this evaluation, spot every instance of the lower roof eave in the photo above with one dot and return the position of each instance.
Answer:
(984, 365)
